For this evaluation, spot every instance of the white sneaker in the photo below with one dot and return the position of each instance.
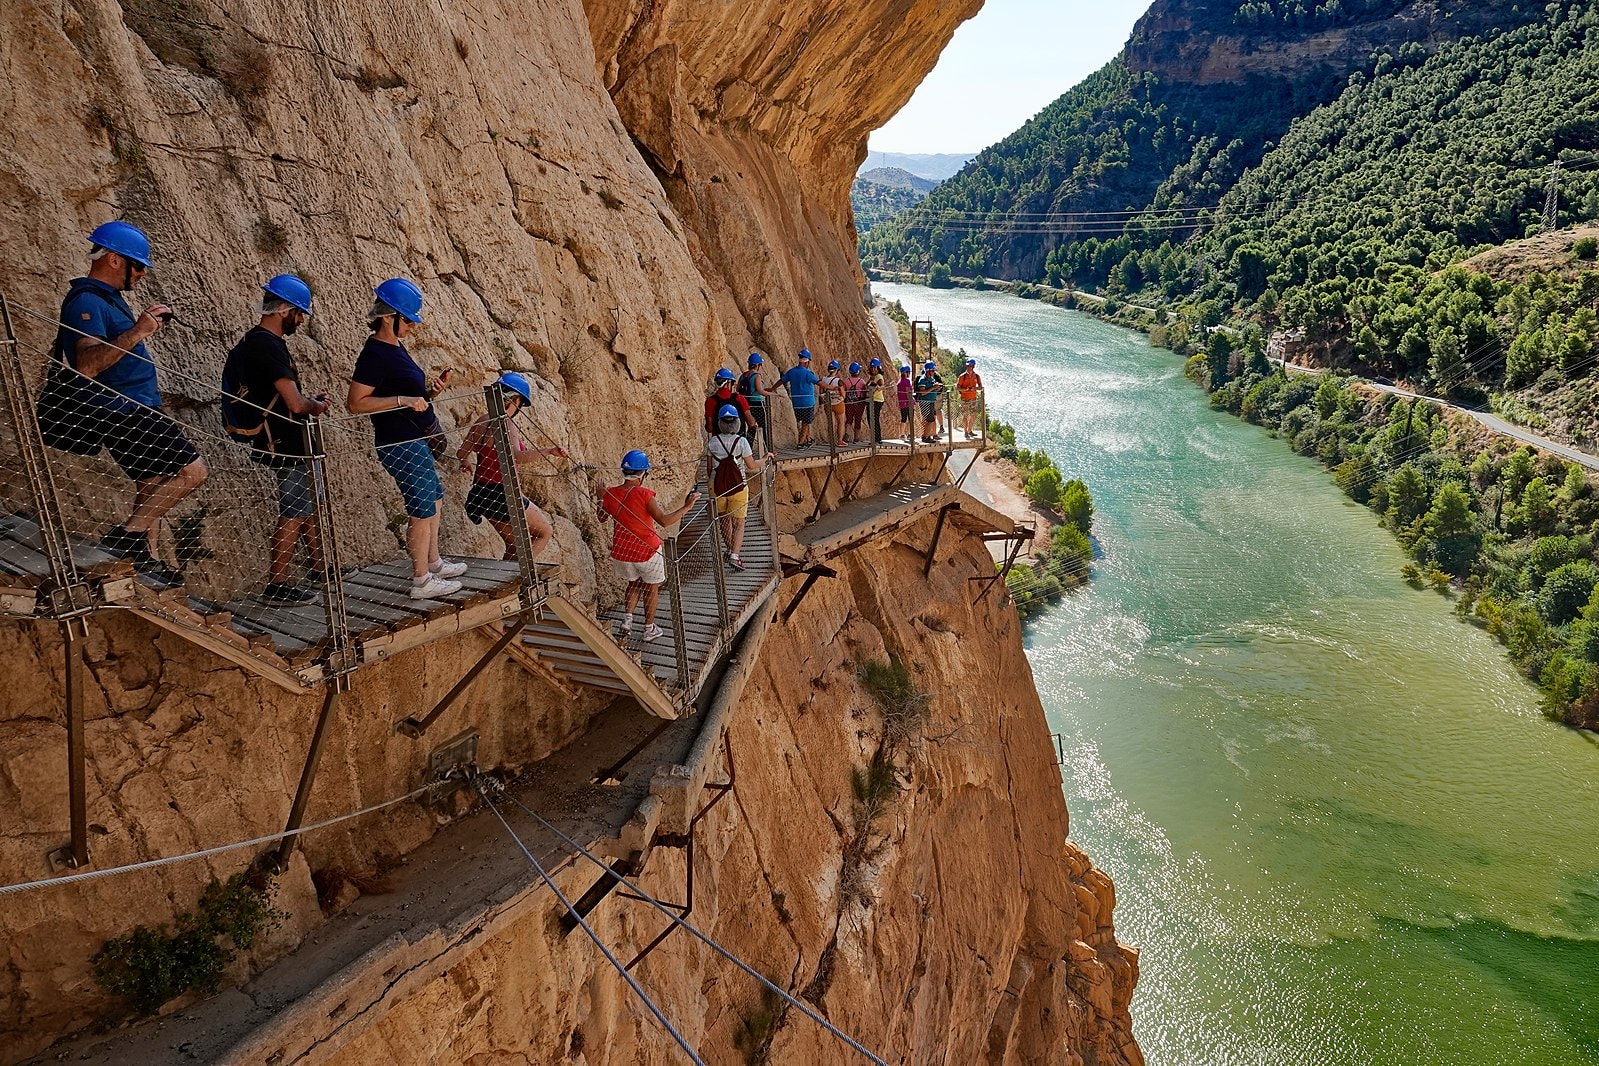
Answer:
(434, 587)
(651, 631)
(446, 569)
(623, 628)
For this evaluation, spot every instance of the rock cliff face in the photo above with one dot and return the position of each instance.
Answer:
(1198, 42)
(617, 198)
(958, 926)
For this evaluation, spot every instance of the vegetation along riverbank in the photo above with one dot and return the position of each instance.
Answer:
(1509, 531)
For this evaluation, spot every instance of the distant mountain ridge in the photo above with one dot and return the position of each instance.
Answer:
(1202, 91)
(896, 178)
(934, 166)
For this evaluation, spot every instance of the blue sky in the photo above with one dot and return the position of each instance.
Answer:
(1003, 66)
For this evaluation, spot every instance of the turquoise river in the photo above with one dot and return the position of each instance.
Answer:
(1340, 830)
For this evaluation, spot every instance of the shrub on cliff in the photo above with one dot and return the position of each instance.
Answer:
(148, 966)
(939, 277)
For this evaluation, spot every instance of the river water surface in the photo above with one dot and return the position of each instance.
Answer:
(1340, 831)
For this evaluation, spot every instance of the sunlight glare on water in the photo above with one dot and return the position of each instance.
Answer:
(1340, 831)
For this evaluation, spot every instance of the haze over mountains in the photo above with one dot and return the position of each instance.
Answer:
(934, 166)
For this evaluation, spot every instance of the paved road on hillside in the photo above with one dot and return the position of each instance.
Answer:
(1491, 421)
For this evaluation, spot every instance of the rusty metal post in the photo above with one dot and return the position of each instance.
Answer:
(69, 595)
(341, 660)
(76, 853)
(674, 587)
(769, 480)
(302, 794)
(718, 568)
(938, 531)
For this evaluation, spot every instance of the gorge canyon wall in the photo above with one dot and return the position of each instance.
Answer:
(616, 198)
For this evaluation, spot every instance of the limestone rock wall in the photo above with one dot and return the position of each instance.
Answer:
(958, 926)
(1197, 42)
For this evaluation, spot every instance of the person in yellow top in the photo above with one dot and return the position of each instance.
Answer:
(877, 382)
(969, 385)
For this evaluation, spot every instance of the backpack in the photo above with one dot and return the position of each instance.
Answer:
(746, 384)
(855, 390)
(246, 422)
(728, 477)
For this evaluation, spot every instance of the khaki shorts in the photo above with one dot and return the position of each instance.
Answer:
(651, 571)
(734, 505)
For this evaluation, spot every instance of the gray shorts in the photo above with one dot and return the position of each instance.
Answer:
(294, 491)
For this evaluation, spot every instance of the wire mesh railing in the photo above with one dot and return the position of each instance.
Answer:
(261, 538)
(921, 417)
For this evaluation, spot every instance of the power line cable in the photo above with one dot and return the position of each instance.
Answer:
(538, 867)
(702, 937)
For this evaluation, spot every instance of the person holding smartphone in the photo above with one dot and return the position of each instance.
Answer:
(388, 385)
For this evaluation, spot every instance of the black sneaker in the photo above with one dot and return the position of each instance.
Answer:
(285, 593)
(121, 543)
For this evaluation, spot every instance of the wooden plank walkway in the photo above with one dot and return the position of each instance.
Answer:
(855, 522)
(285, 644)
(583, 652)
(818, 454)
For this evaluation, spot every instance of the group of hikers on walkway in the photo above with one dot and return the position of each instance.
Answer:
(853, 397)
(101, 392)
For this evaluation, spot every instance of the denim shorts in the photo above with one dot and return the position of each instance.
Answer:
(410, 464)
(294, 491)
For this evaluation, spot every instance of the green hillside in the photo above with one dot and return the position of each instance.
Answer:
(1345, 228)
(1109, 185)
(1120, 141)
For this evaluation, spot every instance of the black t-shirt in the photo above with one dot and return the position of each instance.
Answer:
(390, 371)
(254, 367)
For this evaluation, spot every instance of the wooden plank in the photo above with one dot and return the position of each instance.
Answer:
(377, 647)
(303, 622)
(400, 600)
(482, 575)
(644, 687)
(20, 558)
(281, 676)
(525, 658)
(21, 602)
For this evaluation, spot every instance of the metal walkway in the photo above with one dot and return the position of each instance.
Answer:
(855, 522)
(57, 502)
(703, 607)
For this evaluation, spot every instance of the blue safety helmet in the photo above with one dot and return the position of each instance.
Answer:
(832, 364)
(291, 290)
(725, 374)
(756, 359)
(876, 364)
(929, 365)
(805, 353)
(635, 462)
(402, 295)
(728, 411)
(904, 368)
(971, 362)
(516, 383)
(855, 368)
(124, 238)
